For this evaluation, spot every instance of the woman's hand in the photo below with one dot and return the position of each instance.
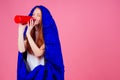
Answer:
(30, 25)
(21, 28)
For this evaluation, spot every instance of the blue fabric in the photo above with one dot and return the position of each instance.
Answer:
(54, 66)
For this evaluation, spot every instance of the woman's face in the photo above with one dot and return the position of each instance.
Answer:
(37, 15)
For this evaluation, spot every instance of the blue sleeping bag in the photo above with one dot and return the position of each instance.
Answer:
(54, 66)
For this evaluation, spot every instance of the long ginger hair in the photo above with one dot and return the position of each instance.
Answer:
(40, 39)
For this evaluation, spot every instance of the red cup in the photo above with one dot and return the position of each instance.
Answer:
(22, 19)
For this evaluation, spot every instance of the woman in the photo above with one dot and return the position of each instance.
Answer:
(39, 55)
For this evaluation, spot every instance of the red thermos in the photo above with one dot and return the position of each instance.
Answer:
(22, 19)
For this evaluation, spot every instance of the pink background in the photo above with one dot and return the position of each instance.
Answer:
(89, 32)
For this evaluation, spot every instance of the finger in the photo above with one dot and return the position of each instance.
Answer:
(34, 23)
(30, 24)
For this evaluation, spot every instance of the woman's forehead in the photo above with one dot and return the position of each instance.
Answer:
(37, 10)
